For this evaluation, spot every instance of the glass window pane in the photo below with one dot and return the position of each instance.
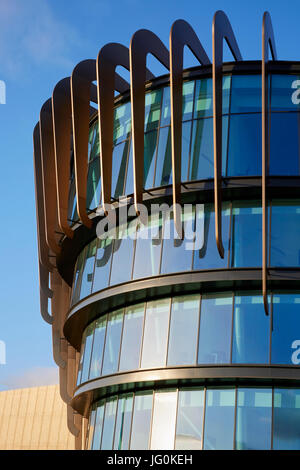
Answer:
(141, 421)
(165, 119)
(286, 328)
(77, 277)
(285, 233)
(285, 93)
(152, 109)
(109, 424)
(88, 269)
(215, 329)
(187, 100)
(284, 159)
(163, 173)
(93, 185)
(98, 345)
(112, 342)
(183, 330)
(164, 420)
(204, 99)
(129, 173)
(72, 200)
(246, 235)
(219, 419)
(98, 425)
(177, 253)
(119, 163)
(80, 365)
(132, 337)
(156, 333)
(102, 264)
(87, 352)
(123, 422)
(286, 420)
(122, 122)
(122, 254)
(185, 149)
(150, 142)
(244, 146)
(251, 331)
(202, 149)
(189, 420)
(94, 144)
(253, 419)
(148, 248)
(206, 255)
(245, 93)
(91, 427)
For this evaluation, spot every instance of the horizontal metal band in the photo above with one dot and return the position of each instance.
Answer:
(91, 391)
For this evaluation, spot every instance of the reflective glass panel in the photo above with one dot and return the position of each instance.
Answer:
(122, 122)
(98, 425)
(185, 149)
(244, 146)
(183, 330)
(245, 93)
(88, 269)
(94, 144)
(93, 184)
(98, 345)
(77, 277)
(141, 421)
(206, 255)
(122, 254)
(91, 427)
(119, 163)
(81, 358)
(284, 159)
(165, 119)
(87, 352)
(148, 248)
(246, 235)
(286, 419)
(72, 201)
(219, 419)
(129, 172)
(285, 233)
(286, 328)
(150, 140)
(285, 93)
(215, 329)
(152, 109)
(163, 173)
(253, 419)
(251, 330)
(112, 342)
(187, 100)
(204, 99)
(189, 420)
(102, 264)
(132, 337)
(156, 333)
(123, 422)
(109, 424)
(178, 252)
(164, 420)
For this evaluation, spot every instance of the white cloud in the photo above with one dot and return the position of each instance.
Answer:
(31, 34)
(34, 377)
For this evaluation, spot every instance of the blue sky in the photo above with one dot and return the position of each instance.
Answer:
(40, 42)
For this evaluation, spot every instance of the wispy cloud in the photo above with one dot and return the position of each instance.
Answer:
(34, 377)
(31, 34)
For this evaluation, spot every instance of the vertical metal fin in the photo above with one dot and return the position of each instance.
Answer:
(109, 57)
(62, 127)
(267, 40)
(49, 178)
(143, 42)
(82, 79)
(181, 34)
(221, 29)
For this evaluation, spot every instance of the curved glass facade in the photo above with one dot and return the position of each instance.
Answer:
(145, 251)
(241, 136)
(210, 418)
(191, 330)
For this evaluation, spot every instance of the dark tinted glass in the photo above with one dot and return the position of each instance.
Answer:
(286, 420)
(152, 109)
(245, 93)
(285, 233)
(119, 163)
(246, 235)
(88, 269)
(122, 123)
(150, 140)
(285, 93)
(284, 159)
(163, 173)
(93, 184)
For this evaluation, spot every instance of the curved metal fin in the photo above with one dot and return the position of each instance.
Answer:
(221, 29)
(83, 76)
(45, 293)
(143, 42)
(109, 57)
(62, 127)
(181, 34)
(49, 177)
(267, 40)
(70, 421)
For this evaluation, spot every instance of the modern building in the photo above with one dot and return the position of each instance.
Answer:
(170, 339)
(34, 418)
